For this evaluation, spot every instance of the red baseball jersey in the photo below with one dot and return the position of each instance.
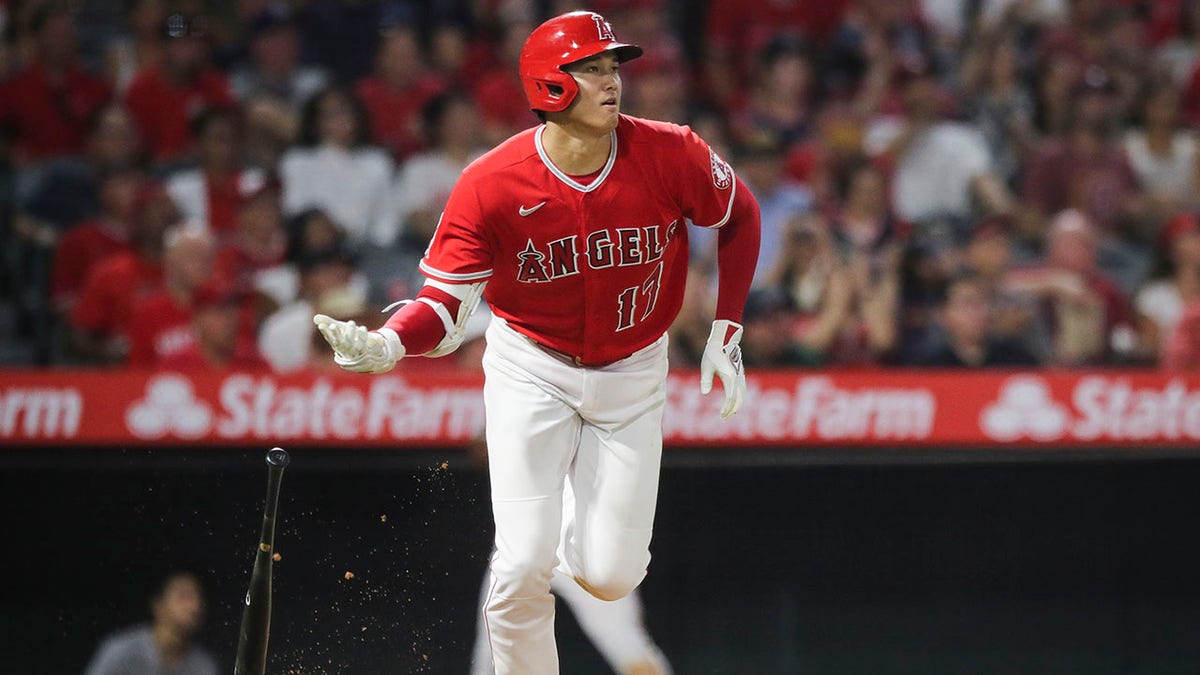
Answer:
(594, 269)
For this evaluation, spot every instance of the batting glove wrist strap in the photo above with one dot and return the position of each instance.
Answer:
(723, 357)
(359, 350)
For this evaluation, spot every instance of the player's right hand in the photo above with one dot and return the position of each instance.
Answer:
(360, 350)
(723, 357)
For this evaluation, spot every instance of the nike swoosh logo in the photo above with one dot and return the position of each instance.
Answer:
(526, 211)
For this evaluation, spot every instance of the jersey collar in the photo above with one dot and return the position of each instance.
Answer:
(612, 158)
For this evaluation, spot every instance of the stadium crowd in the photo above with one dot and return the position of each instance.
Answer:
(943, 183)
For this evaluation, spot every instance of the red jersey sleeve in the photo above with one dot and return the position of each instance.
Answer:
(708, 186)
(460, 252)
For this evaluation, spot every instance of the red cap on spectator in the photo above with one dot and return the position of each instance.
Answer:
(1176, 227)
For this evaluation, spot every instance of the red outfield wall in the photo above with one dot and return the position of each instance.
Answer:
(1128, 409)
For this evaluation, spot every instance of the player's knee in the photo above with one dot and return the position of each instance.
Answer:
(614, 585)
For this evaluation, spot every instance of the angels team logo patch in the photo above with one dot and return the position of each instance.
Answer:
(603, 27)
(722, 174)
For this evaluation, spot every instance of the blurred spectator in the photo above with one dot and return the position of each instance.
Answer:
(967, 338)
(334, 169)
(1182, 349)
(46, 107)
(657, 93)
(1055, 78)
(139, 46)
(863, 223)
(100, 321)
(219, 341)
(165, 98)
(988, 257)
(89, 241)
(810, 272)
(424, 182)
(1162, 152)
(736, 30)
(288, 339)
(498, 93)
(768, 339)
(167, 644)
(270, 127)
(1160, 303)
(1176, 54)
(274, 67)
(161, 324)
(998, 102)
(212, 192)
(941, 168)
(252, 260)
(781, 97)
(759, 162)
(422, 186)
(57, 193)
(689, 332)
(394, 93)
(1089, 319)
(1085, 168)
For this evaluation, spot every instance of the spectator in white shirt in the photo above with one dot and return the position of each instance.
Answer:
(941, 168)
(336, 171)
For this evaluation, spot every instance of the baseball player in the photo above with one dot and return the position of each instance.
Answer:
(577, 229)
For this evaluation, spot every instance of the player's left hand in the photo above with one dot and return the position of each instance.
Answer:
(723, 356)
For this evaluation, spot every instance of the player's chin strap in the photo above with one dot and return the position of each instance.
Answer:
(456, 327)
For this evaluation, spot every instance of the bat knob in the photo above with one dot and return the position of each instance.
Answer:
(278, 457)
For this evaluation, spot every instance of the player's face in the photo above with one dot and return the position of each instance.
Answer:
(598, 103)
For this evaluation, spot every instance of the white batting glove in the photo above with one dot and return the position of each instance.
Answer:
(360, 350)
(723, 356)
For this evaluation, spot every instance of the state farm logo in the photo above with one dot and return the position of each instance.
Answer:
(1025, 409)
(1100, 408)
(169, 407)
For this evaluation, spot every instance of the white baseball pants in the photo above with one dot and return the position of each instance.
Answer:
(550, 421)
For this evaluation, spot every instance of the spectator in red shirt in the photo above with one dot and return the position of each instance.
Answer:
(88, 242)
(394, 94)
(99, 323)
(218, 343)
(46, 107)
(212, 192)
(164, 99)
(499, 93)
(252, 259)
(161, 325)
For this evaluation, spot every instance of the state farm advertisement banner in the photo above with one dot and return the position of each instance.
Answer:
(903, 409)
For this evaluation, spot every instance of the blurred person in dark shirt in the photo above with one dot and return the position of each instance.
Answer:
(165, 98)
(967, 340)
(167, 644)
(46, 107)
(274, 66)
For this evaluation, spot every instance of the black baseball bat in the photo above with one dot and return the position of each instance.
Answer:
(256, 618)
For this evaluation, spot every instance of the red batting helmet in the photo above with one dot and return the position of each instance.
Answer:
(565, 39)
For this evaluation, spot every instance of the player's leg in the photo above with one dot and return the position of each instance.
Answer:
(481, 651)
(616, 629)
(532, 436)
(615, 474)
